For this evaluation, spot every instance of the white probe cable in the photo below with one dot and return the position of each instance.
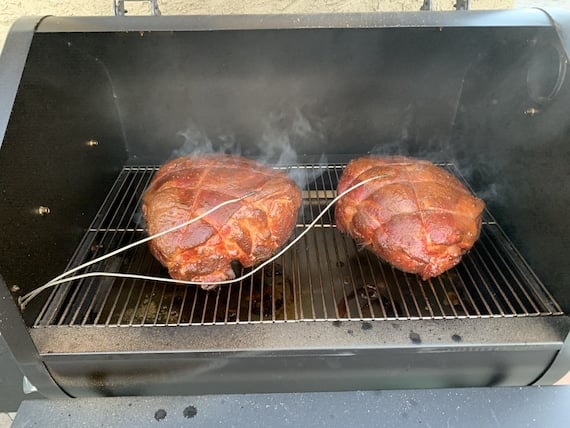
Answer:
(61, 279)
(24, 300)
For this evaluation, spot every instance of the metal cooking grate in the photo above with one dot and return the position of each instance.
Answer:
(324, 277)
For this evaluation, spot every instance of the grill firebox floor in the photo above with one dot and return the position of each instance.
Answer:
(325, 276)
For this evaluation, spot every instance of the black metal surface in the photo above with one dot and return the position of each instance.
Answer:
(18, 355)
(421, 19)
(469, 408)
(21, 359)
(324, 277)
(14, 55)
(558, 368)
(294, 357)
(560, 19)
(11, 379)
(48, 147)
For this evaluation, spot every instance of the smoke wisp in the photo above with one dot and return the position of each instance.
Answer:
(282, 135)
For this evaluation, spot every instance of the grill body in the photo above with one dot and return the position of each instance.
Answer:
(95, 105)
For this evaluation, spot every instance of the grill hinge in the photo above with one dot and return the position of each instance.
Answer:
(119, 7)
(462, 5)
(426, 5)
(459, 5)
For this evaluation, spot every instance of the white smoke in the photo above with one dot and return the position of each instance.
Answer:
(282, 134)
(197, 142)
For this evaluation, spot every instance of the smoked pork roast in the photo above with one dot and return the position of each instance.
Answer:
(248, 231)
(416, 216)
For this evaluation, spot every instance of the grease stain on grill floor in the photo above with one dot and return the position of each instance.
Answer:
(366, 326)
(190, 412)
(415, 338)
(456, 338)
(160, 415)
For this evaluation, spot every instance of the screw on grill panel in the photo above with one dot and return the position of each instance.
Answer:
(43, 210)
(531, 111)
(15, 288)
(92, 143)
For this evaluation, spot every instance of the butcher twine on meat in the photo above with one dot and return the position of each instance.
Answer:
(416, 216)
(249, 231)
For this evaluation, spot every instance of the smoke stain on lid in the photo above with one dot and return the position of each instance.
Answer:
(415, 337)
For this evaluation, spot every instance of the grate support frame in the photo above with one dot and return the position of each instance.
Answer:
(325, 277)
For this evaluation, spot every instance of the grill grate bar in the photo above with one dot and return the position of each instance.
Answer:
(423, 293)
(348, 279)
(227, 308)
(414, 296)
(527, 276)
(448, 300)
(321, 203)
(339, 262)
(461, 272)
(496, 284)
(376, 290)
(365, 294)
(396, 309)
(137, 305)
(109, 236)
(487, 248)
(125, 195)
(194, 305)
(401, 291)
(332, 263)
(306, 249)
(130, 285)
(183, 302)
(437, 300)
(324, 277)
(486, 289)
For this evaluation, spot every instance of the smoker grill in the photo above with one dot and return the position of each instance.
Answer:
(93, 106)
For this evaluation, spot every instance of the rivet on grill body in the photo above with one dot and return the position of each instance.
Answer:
(531, 111)
(15, 288)
(43, 210)
(92, 143)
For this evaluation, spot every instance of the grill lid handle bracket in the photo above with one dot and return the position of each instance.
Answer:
(461, 5)
(119, 7)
